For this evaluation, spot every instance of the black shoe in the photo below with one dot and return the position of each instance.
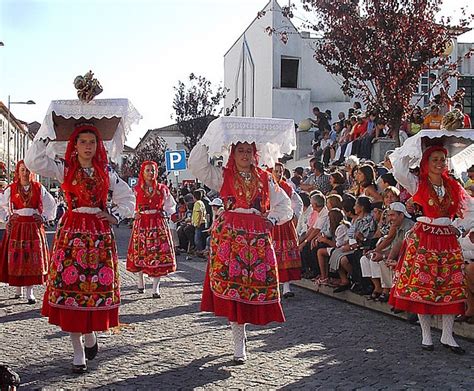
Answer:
(239, 360)
(455, 349)
(91, 352)
(156, 296)
(31, 301)
(79, 369)
(141, 290)
(428, 348)
(342, 288)
(288, 294)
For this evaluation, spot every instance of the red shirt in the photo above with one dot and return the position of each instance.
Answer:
(359, 130)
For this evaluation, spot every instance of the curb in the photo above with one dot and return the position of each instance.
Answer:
(464, 330)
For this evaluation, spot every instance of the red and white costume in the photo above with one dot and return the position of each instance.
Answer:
(285, 240)
(24, 254)
(429, 278)
(151, 245)
(242, 277)
(83, 292)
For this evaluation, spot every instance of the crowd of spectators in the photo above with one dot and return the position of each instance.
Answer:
(354, 134)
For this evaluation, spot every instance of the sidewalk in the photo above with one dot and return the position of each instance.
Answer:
(465, 330)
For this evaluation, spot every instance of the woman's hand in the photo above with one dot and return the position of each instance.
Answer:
(38, 218)
(104, 216)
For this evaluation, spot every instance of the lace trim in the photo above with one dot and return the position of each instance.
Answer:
(98, 108)
(273, 137)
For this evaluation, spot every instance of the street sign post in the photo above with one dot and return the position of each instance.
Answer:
(175, 160)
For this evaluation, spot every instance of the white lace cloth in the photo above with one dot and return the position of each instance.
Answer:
(97, 108)
(273, 137)
(455, 141)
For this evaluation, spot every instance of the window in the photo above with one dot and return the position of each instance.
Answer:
(289, 73)
(467, 82)
(423, 88)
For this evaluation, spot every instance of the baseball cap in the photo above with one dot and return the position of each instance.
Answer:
(399, 207)
(216, 202)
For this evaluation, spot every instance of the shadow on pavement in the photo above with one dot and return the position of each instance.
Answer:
(195, 374)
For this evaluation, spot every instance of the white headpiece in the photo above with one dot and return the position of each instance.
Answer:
(273, 137)
(75, 111)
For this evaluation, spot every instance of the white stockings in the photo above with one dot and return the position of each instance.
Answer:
(29, 293)
(286, 287)
(78, 347)
(156, 285)
(239, 337)
(447, 333)
(140, 280)
(425, 323)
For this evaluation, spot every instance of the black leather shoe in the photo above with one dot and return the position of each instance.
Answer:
(342, 288)
(455, 349)
(31, 301)
(141, 290)
(428, 348)
(91, 352)
(239, 360)
(79, 369)
(156, 296)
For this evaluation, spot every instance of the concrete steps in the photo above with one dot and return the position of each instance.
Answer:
(462, 329)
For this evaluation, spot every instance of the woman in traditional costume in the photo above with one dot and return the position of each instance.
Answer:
(151, 248)
(241, 281)
(285, 238)
(24, 254)
(430, 278)
(83, 294)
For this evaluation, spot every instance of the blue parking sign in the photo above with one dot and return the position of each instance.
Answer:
(175, 160)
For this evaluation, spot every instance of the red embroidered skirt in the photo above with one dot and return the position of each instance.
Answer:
(241, 281)
(83, 292)
(285, 242)
(24, 253)
(429, 277)
(151, 246)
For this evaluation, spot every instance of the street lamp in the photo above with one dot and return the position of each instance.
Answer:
(29, 102)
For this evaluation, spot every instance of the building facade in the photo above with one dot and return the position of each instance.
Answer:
(20, 140)
(277, 80)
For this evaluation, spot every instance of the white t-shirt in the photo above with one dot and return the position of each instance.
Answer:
(323, 217)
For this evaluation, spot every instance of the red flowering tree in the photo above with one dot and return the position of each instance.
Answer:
(196, 105)
(380, 48)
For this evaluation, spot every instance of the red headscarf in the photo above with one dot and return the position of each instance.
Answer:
(141, 178)
(454, 189)
(231, 172)
(35, 187)
(99, 162)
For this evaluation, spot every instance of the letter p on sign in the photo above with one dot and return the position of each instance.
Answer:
(175, 160)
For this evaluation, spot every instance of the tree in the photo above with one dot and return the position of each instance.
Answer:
(154, 149)
(380, 48)
(196, 106)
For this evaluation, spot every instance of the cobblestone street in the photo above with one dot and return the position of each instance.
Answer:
(168, 344)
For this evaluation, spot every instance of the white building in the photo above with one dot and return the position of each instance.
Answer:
(20, 139)
(274, 79)
(278, 80)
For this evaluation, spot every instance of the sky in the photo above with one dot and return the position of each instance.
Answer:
(138, 49)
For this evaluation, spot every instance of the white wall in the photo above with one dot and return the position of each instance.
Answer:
(258, 48)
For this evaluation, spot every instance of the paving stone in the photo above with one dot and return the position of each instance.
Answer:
(168, 344)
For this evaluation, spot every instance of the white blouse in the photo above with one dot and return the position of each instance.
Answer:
(49, 206)
(280, 204)
(123, 199)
